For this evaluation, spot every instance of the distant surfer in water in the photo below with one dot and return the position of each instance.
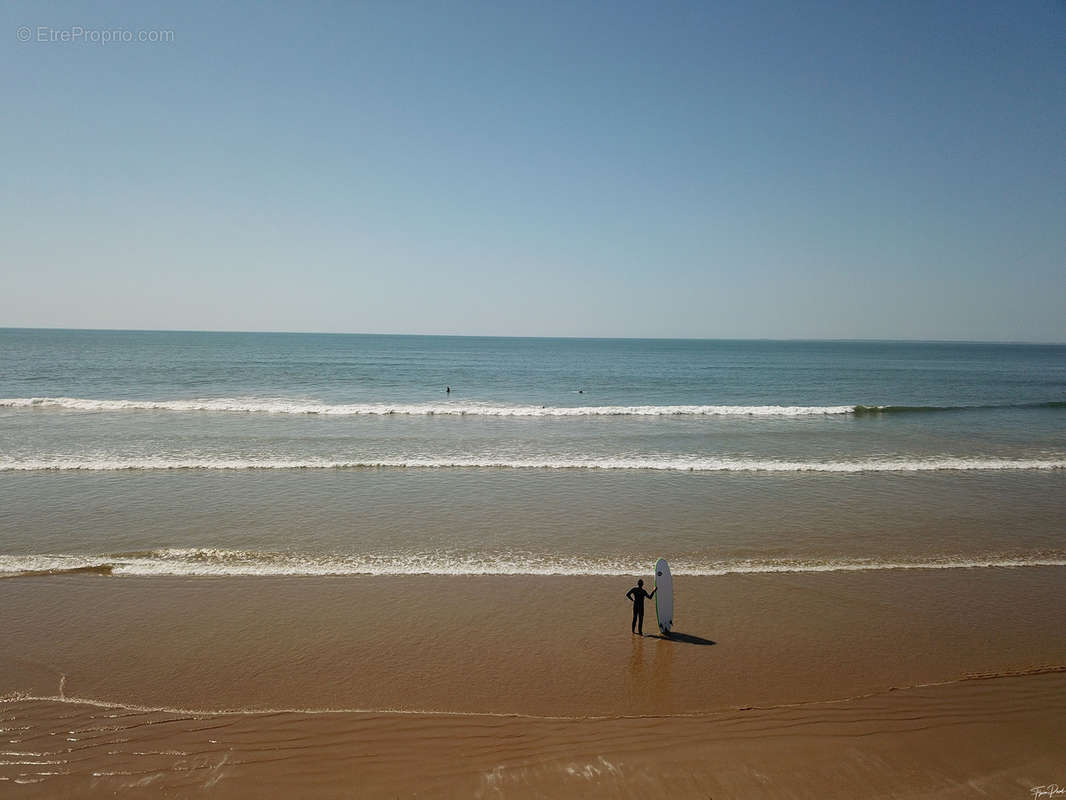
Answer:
(637, 595)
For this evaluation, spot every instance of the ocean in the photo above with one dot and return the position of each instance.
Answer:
(231, 454)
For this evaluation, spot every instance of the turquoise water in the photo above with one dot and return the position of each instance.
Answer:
(501, 371)
(244, 453)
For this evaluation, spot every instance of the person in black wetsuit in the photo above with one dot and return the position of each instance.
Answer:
(637, 595)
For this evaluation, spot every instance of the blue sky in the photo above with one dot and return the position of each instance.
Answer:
(749, 169)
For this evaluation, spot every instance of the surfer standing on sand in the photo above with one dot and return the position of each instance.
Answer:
(637, 595)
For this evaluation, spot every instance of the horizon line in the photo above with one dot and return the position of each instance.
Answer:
(530, 336)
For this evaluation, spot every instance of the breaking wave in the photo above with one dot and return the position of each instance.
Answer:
(312, 407)
(222, 562)
(662, 464)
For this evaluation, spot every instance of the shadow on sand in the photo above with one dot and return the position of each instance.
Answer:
(675, 636)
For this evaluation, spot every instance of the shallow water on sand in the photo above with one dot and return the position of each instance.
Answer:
(382, 521)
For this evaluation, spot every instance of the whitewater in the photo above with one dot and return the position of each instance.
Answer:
(675, 464)
(297, 406)
(221, 562)
(281, 405)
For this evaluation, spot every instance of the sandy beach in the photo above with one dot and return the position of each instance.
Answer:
(907, 683)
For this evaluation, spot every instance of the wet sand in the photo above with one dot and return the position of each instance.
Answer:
(897, 683)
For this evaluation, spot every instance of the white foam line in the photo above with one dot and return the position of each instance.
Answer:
(199, 713)
(667, 464)
(235, 563)
(291, 406)
(18, 697)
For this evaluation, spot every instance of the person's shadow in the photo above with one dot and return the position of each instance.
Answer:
(685, 638)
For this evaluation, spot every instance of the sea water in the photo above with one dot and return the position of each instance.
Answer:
(268, 453)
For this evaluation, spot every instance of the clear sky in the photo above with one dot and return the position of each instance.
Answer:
(743, 169)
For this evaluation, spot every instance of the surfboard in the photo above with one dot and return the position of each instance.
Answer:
(664, 596)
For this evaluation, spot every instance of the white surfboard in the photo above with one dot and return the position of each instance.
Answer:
(664, 596)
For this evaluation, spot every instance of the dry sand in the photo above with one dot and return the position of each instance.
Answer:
(924, 683)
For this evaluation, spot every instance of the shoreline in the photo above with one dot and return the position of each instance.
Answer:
(1003, 735)
(215, 563)
(16, 698)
